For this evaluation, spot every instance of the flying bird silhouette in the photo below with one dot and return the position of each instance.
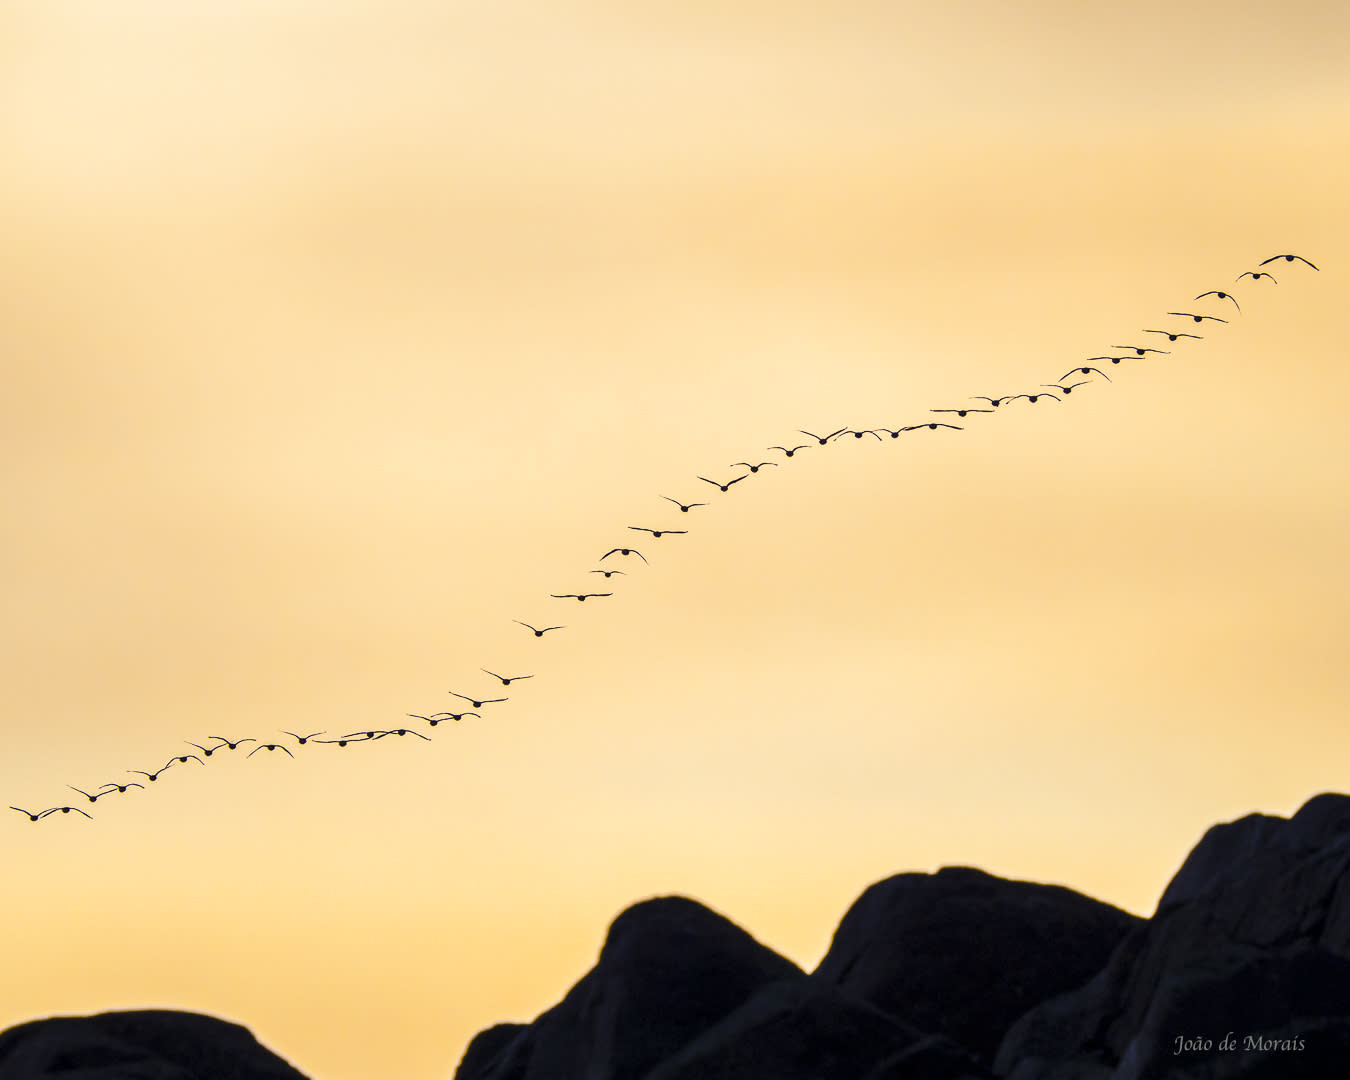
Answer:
(1033, 398)
(719, 484)
(340, 742)
(994, 401)
(31, 816)
(622, 551)
(658, 533)
(477, 704)
(1197, 318)
(536, 630)
(91, 798)
(1286, 258)
(961, 412)
(302, 739)
(231, 745)
(1256, 275)
(1173, 336)
(580, 597)
(753, 468)
(402, 731)
(205, 752)
(152, 777)
(684, 507)
(933, 425)
(789, 452)
(1085, 371)
(822, 439)
(440, 717)
(122, 787)
(1067, 389)
(1221, 296)
(862, 432)
(507, 680)
(64, 810)
(183, 758)
(269, 746)
(1139, 351)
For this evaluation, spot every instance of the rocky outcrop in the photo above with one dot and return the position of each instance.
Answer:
(669, 970)
(802, 1029)
(1244, 970)
(152, 1044)
(963, 954)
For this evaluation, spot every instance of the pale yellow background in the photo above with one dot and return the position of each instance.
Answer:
(336, 335)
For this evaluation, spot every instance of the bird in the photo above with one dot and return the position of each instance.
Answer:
(205, 752)
(536, 630)
(152, 777)
(182, 758)
(122, 787)
(1286, 258)
(623, 551)
(1113, 359)
(1221, 296)
(366, 736)
(340, 742)
(436, 718)
(227, 742)
(719, 484)
(1066, 389)
(684, 507)
(64, 810)
(791, 451)
(1085, 371)
(961, 412)
(894, 434)
(91, 798)
(607, 573)
(477, 704)
(580, 597)
(1173, 336)
(507, 680)
(1256, 275)
(402, 731)
(753, 468)
(861, 433)
(1197, 318)
(994, 401)
(933, 425)
(269, 746)
(658, 533)
(822, 439)
(302, 739)
(1139, 351)
(1033, 398)
(31, 816)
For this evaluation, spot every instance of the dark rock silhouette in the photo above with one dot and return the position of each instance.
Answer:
(962, 953)
(1252, 937)
(151, 1044)
(960, 975)
(797, 1029)
(669, 969)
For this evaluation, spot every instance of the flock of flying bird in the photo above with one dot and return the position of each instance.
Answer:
(1087, 366)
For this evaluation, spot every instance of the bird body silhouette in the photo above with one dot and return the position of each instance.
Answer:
(623, 551)
(537, 631)
(1286, 258)
(684, 507)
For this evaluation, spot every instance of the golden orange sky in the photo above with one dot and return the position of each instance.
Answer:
(337, 336)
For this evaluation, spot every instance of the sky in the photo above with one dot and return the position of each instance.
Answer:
(338, 336)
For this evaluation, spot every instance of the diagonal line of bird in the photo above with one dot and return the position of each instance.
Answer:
(1088, 366)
